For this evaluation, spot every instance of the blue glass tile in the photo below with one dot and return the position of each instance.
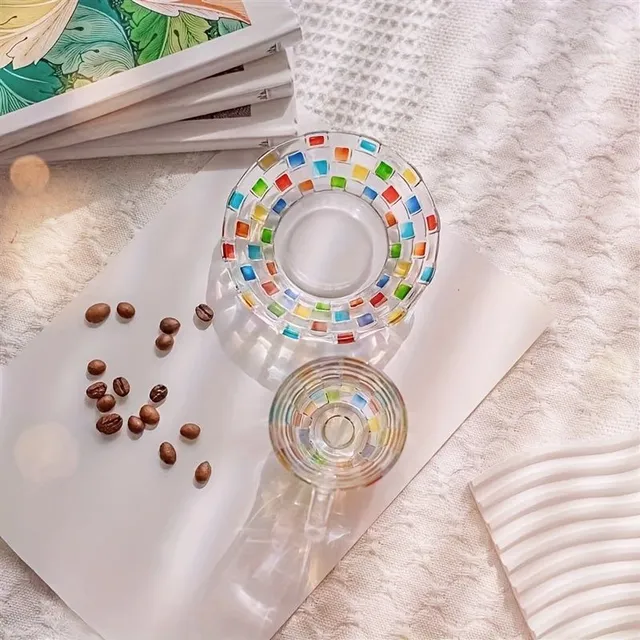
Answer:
(296, 159)
(406, 231)
(248, 273)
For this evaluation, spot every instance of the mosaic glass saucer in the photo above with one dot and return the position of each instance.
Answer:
(338, 423)
(330, 236)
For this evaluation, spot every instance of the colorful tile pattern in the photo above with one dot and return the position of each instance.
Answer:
(299, 169)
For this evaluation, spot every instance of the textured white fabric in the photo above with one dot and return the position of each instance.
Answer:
(523, 117)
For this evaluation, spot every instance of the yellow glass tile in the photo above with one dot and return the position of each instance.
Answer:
(360, 173)
(410, 176)
(267, 161)
(402, 268)
(309, 409)
(302, 312)
(248, 298)
(260, 213)
(396, 315)
(374, 424)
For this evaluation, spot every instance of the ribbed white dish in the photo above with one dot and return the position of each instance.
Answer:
(566, 525)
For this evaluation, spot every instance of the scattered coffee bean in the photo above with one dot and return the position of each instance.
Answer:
(204, 312)
(96, 390)
(96, 367)
(97, 313)
(126, 310)
(149, 414)
(164, 342)
(109, 424)
(190, 431)
(158, 393)
(135, 425)
(169, 325)
(167, 453)
(203, 472)
(106, 403)
(121, 386)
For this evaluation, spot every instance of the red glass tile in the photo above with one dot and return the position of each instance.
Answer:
(283, 182)
(346, 338)
(432, 222)
(270, 287)
(321, 327)
(378, 299)
(316, 141)
(272, 268)
(390, 194)
(228, 251)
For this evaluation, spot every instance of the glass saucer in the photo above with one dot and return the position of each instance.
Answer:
(330, 236)
(338, 423)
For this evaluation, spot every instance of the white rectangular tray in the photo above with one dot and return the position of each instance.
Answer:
(137, 550)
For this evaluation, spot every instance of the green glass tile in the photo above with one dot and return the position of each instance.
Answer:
(384, 171)
(402, 290)
(395, 250)
(267, 236)
(337, 182)
(318, 459)
(323, 306)
(333, 395)
(276, 309)
(260, 187)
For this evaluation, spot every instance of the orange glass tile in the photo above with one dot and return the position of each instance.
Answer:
(342, 154)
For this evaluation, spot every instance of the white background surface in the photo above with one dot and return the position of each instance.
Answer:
(230, 560)
(523, 119)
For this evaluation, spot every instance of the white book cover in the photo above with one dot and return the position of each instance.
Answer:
(268, 78)
(63, 62)
(260, 125)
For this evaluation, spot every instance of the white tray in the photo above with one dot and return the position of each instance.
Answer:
(137, 550)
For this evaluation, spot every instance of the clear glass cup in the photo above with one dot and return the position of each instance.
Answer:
(337, 423)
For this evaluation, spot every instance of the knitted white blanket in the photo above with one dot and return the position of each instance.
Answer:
(523, 117)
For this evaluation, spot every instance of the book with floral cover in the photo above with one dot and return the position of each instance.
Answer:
(63, 62)
(266, 79)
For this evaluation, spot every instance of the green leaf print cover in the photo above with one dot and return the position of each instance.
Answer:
(50, 47)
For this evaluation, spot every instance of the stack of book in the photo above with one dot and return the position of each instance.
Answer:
(94, 78)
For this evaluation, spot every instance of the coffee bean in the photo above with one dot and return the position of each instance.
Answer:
(158, 393)
(167, 453)
(106, 403)
(164, 342)
(135, 425)
(169, 325)
(121, 386)
(190, 431)
(96, 390)
(149, 414)
(109, 424)
(126, 310)
(203, 472)
(97, 313)
(96, 367)
(204, 312)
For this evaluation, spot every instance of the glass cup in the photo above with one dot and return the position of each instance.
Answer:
(337, 423)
